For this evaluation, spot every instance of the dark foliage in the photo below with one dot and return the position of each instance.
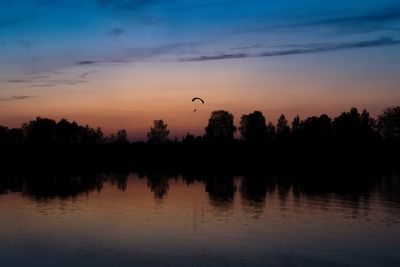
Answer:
(253, 127)
(220, 126)
(349, 139)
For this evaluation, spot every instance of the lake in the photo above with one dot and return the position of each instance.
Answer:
(159, 219)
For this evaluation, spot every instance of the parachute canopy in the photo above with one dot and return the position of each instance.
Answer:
(198, 98)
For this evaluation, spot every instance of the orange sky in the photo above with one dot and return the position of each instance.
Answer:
(132, 95)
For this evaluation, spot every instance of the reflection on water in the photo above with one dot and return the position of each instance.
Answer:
(166, 219)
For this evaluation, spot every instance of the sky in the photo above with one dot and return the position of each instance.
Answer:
(124, 63)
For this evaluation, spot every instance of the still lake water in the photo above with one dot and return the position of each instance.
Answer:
(222, 220)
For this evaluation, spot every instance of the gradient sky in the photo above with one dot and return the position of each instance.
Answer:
(123, 63)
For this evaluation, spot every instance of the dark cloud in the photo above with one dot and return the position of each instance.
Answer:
(48, 81)
(306, 50)
(51, 83)
(116, 32)
(87, 62)
(379, 19)
(18, 81)
(217, 57)
(28, 79)
(22, 97)
(379, 16)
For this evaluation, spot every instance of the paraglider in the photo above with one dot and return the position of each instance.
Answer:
(197, 98)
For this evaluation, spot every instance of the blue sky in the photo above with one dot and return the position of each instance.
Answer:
(60, 33)
(49, 46)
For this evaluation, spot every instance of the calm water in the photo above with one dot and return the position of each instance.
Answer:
(218, 220)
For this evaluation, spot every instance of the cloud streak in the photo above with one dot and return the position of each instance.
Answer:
(14, 98)
(310, 50)
(116, 32)
(379, 16)
(48, 81)
(376, 20)
(87, 62)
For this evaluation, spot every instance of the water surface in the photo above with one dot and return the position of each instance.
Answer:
(198, 220)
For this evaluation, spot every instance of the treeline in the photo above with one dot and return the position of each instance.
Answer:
(44, 131)
(349, 127)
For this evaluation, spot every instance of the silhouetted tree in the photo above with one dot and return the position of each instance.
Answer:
(120, 138)
(41, 131)
(220, 126)
(92, 136)
(159, 133)
(353, 125)
(15, 136)
(296, 123)
(3, 135)
(253, 127)
(271, 131)
(389, 122)
(317, 127)
(188, 138)
(282, 128)
(68, 133)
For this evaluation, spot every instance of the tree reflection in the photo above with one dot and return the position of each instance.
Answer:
(52, 184)
(351, 189)
(158, 184)
(221, 189)
(253, 189)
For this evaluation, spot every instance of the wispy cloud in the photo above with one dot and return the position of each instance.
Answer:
(378, 16)
(86, 74)
(356, 21)
(132, 54)
(87, 62)
(28, 79)
(13, 98)
(116, 32)
(49, 81)
(306, 50)
(217, 57)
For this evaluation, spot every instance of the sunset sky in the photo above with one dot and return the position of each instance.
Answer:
(123, 63)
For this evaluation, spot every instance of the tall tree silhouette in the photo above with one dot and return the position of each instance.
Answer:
(253, 127)
(282, 127)
(159, 133)
(69, 133)
(353, 125)
(296, 123)
(41, 131)
(389, 122)
(271, 131)
(120, 138)
(220, 126)
(317, 127)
